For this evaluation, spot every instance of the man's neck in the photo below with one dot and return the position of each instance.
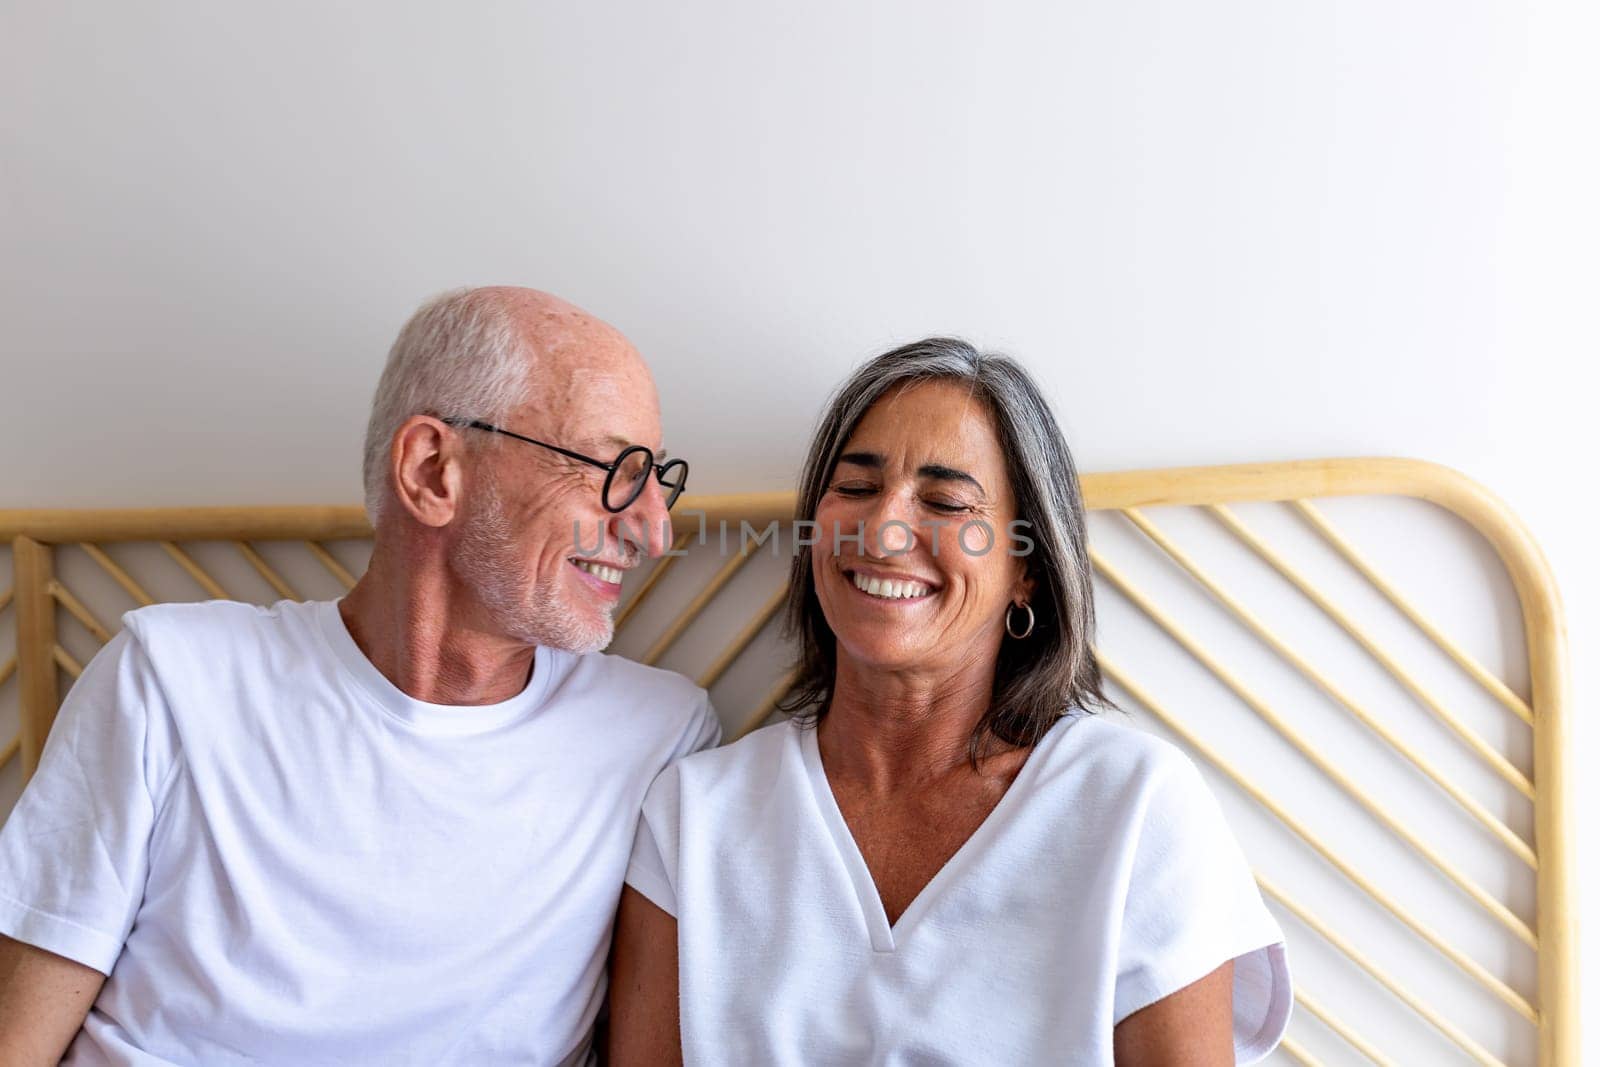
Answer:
(430, 644)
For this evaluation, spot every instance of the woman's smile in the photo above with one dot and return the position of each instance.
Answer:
(923, 466)
(889, 588)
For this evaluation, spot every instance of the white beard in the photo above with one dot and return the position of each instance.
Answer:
(531, 608)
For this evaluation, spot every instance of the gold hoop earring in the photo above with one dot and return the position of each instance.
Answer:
(1025, 606)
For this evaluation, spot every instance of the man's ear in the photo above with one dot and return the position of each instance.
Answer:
(425, 468)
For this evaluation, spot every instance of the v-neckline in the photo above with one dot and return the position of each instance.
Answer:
(883, 934)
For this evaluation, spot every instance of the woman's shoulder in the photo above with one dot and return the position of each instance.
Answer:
(751, 762)
(1131, 784)
(755, 745)
(1109, 750)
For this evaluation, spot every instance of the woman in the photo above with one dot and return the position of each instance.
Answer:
(947, 859)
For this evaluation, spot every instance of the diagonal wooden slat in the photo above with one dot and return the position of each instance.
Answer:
(118, 575)
(687, 616)
(195, 571)
(78, 610)
(13, 746)
(5, 598)
(1464, 800)
(7, 669)
(65, 661)
(737, 646)
(1360, 959)
(652, 580)
(764, 709)
(1494, 907)
(263, 568)
(1470, 966)
(33, 564)
(333, 566)
(1343, 1029)
(1480, 674)
(1298, 1053)
(1423, 695)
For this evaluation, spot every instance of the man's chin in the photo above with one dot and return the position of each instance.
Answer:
(597, 644)
(555, 621)
(558, 629)
(590, 635)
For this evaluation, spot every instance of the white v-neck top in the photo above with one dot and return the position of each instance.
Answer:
(1105, 879)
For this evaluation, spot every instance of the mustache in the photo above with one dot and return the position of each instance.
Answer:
(630, 556)
(625, 548)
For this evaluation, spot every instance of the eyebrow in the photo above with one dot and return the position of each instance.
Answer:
(948, 474)
(622, 442)
(939, 471)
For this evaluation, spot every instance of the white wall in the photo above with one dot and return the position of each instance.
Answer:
(1218, 232)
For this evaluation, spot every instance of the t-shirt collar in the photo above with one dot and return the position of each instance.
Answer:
(456, 719)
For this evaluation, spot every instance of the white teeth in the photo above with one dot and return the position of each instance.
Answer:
(601, 571)
(889, 590)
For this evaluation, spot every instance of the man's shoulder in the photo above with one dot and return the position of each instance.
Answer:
(216, 615)
(623, 678)
(216, 627)
(641, 703)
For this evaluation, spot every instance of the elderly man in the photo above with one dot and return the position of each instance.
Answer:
(392, 828)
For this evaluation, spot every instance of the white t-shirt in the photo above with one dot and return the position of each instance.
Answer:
(279, 857)
(1104, 880)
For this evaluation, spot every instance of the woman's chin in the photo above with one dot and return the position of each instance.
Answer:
(879, 657)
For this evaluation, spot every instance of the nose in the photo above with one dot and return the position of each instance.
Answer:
(648, 522)
(891, 526)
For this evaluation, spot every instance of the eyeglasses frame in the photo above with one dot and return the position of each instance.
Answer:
(675, 491)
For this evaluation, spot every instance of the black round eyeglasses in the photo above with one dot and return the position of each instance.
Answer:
(626, 475)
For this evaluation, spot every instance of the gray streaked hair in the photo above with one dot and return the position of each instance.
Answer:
(1038, 679)
(460, 354)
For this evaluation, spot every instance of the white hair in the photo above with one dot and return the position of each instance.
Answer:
(461, 354)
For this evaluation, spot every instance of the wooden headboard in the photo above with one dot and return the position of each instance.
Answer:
(1465, 946)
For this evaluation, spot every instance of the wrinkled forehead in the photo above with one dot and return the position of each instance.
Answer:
(593, 394)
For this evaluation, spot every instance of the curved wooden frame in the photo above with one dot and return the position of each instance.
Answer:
(1544, 631)
(37, 594)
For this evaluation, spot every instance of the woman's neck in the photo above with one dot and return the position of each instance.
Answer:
(888, 729)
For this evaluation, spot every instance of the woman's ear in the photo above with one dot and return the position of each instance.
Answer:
(1022, 592)
(425, 465)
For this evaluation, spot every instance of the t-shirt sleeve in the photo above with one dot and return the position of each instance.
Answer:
(653, 866)
(74, 853)
(706, 731)
(1192, 906)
